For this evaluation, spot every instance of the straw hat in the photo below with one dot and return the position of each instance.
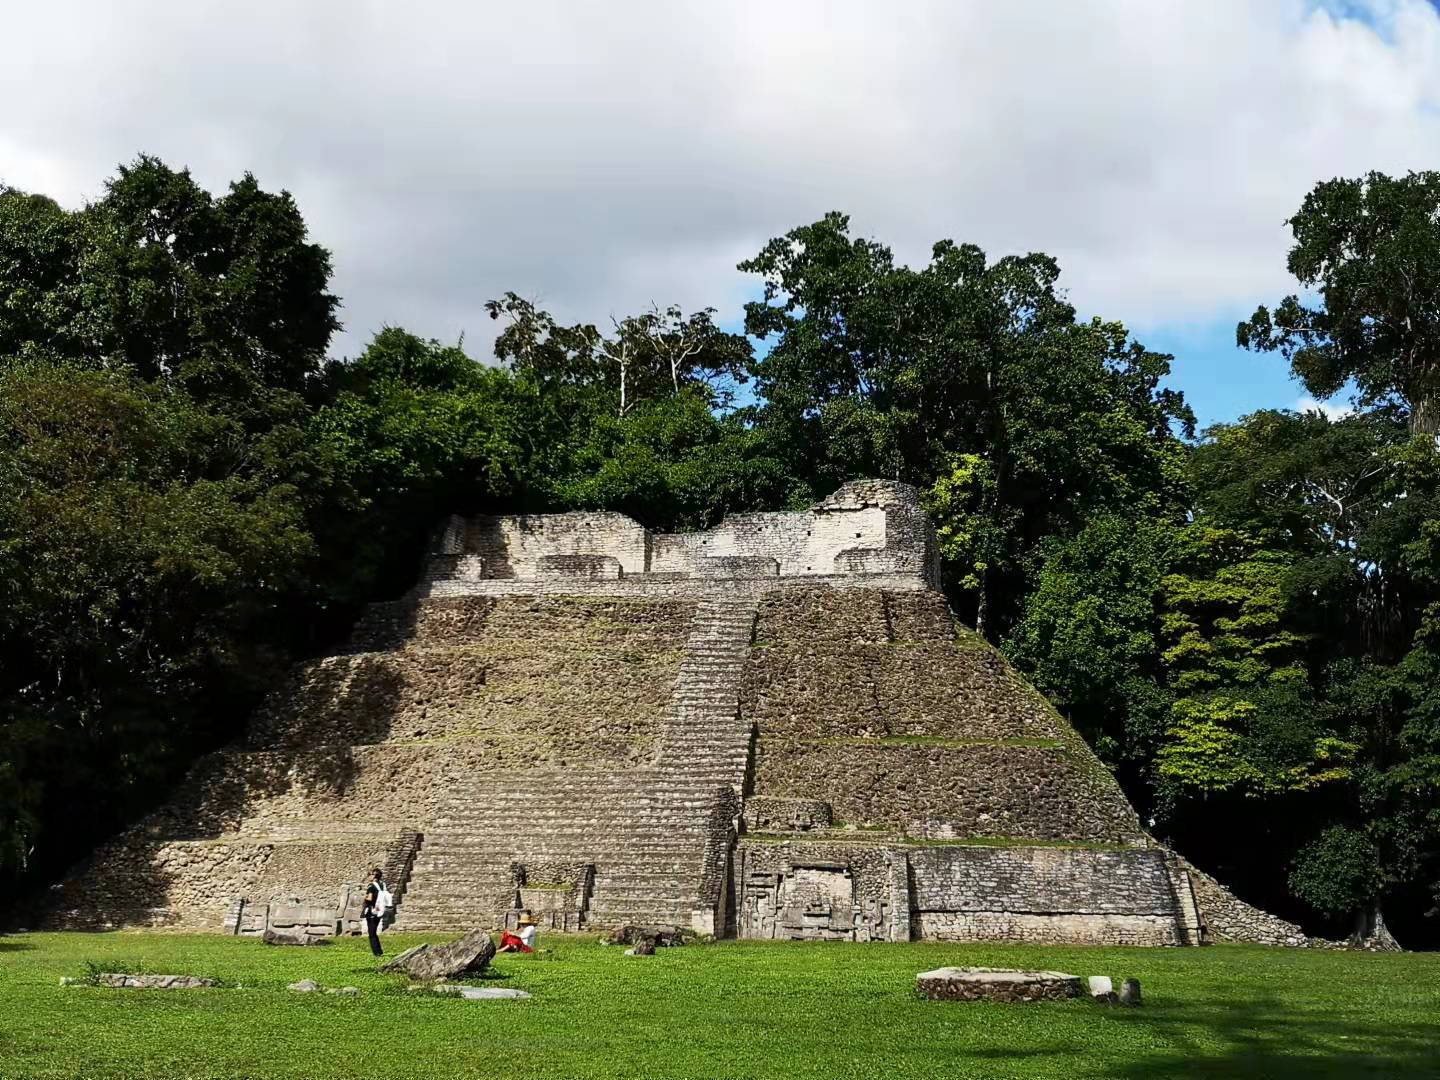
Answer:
(526, 920)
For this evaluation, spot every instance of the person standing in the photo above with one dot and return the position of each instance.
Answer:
(377, 901)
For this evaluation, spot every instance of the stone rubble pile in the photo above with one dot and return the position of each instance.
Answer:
(118, 979)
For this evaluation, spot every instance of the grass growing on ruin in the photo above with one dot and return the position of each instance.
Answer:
(930, 740)
(746, 1009)
(841, 833)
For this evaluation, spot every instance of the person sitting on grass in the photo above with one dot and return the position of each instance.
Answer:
(523, 940)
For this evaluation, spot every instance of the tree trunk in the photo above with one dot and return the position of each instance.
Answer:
(1371, 932)
(1425, 416)
(981, 605)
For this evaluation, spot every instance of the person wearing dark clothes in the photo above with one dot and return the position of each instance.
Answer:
(373, 910)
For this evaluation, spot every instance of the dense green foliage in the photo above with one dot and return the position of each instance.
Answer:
(1246, 626)
(735, 1009)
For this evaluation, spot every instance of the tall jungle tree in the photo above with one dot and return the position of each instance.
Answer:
(1370, 249)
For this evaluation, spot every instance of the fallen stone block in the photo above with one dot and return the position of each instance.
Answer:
(471, 953)
(272, 936)
(1130, 992)
(152, 982)
(643, 948)
(996, 984)
(345, 991)
(304, 986)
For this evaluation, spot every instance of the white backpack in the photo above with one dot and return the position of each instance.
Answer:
(383, 899)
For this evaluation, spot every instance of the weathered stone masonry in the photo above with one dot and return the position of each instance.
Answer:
(772, 729)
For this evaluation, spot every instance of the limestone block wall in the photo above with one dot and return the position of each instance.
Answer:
(800, 544)
(1044, 895)
(513, 547)
(142, 881)
(910, 545)
(816, 888)
(865, 528)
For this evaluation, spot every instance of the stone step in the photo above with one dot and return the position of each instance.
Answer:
(662, 864)
(606, 846)
(519, 811)
(696, 794)
(522, 822)
(539, 785)
(645, 873)
(517, 808)
(456, 921)
(434, 897)
(683, 740)
(610, 918)
(693, 789)
(635, 895)
(478, 864)
(516, 814)
(690, 791)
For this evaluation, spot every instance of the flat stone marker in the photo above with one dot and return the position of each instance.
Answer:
(996, 984)
(1101, 989)
(304, 986)
(482, 993)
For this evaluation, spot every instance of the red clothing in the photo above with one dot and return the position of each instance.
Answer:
(509, 940)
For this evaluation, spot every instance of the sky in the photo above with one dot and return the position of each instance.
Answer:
(600, 157)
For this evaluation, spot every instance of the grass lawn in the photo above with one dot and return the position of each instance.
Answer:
(736, 1009)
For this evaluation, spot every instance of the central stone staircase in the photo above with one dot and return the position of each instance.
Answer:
(656, 836)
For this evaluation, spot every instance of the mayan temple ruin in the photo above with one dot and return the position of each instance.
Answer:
(774, 729)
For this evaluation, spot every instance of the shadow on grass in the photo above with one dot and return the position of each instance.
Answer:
(11, 945)
(1263, 1038)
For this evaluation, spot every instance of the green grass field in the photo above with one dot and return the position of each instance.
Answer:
(735, 1009)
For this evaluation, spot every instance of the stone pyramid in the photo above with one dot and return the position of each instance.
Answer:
(774, 729)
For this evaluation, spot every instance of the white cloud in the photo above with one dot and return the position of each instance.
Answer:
(1329, 409)
(600, 156)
